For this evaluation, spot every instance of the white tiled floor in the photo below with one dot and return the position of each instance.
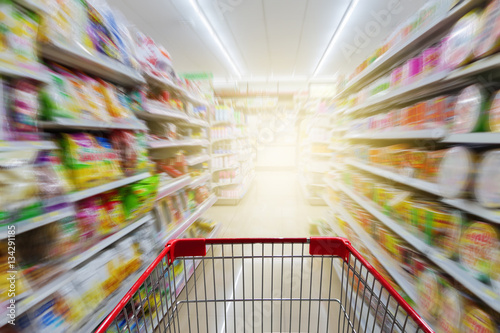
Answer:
(273, 207)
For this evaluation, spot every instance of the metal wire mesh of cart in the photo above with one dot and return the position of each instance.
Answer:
(262, 285)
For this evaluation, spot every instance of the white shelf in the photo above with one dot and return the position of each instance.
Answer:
(477, 67)
(106, 187)
(215, 140)
(173, 186)
(426, 86)
(182, 226)
(475, 209)
(197, 122)
(224, 154)
(194, 160)
(395, 54)
(106, 242)
(95, 64)
(221, 122)
(177, 143)
(237, 182)
(474, 138)
(161, 113)
(408, 181)
(20, 72)
(200, 180)
(482, 291)
(390, 265)
(394, 134)
(226, 168)
(38, 221)
(62, 123)
(25, 145)
(330, 183)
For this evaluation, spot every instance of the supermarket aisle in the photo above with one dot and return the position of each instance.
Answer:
(273, 207)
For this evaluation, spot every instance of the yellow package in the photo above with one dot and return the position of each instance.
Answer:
(95, 101)
(115, 107)
(81, 160)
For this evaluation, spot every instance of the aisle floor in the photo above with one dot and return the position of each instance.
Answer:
(273, 207)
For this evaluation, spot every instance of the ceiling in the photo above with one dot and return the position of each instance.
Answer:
(271, 42)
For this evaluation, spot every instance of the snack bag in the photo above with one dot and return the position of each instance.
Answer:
(110, 160)
(95, 98)
(106, 224)
(81, 160)
(82, 94)
(87, 217)
(112, 98)
(57, 99)
(114, 207)
(18, 186)
(24, 108)
(142, 151)
(124, 143)
(101, 36)
(19, 28)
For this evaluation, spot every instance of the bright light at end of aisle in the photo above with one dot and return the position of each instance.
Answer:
(216, 38)
(337, 33)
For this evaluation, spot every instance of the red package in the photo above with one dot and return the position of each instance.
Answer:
(125, 143)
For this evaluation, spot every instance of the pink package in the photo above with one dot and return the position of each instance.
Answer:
(413, 69)
(396, 77)
(431, 60)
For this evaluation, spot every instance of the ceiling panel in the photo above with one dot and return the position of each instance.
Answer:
(284, 20)
(322, 19)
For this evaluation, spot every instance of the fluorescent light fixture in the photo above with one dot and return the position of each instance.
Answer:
(207, 25)
(341, 26)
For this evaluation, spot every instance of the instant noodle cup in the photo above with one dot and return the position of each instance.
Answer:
(443, 230)
(429, 296)
(459, 47)
(494, 113)
(487, 40)
(476, 320)
(450, 319)
(478, 247)
(470, 110)
(433, 160)
(455, 172)
(487, 184)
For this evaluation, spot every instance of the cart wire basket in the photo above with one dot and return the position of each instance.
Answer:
(262, 285)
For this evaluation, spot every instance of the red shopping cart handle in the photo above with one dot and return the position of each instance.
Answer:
(324, 246)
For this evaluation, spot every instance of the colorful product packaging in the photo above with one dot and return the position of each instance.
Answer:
(487, 40)
(486, 189)
(471, 110)
(459, 47)
(478, 246)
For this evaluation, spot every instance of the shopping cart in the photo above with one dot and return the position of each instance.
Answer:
(262, 285)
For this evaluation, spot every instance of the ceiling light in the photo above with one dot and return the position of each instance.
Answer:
(204, 19)
(339, 29)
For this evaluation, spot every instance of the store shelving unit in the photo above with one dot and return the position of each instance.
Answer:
(177, 143)
(242, 162)
(182, 226)
(39, 221)
(77, 196)
(434, 85)
(314, 152)
(68, 269)
(173, 186)
(479, 289)
(82, 124)
(390, 175)
(405, 48)
(27, 145)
